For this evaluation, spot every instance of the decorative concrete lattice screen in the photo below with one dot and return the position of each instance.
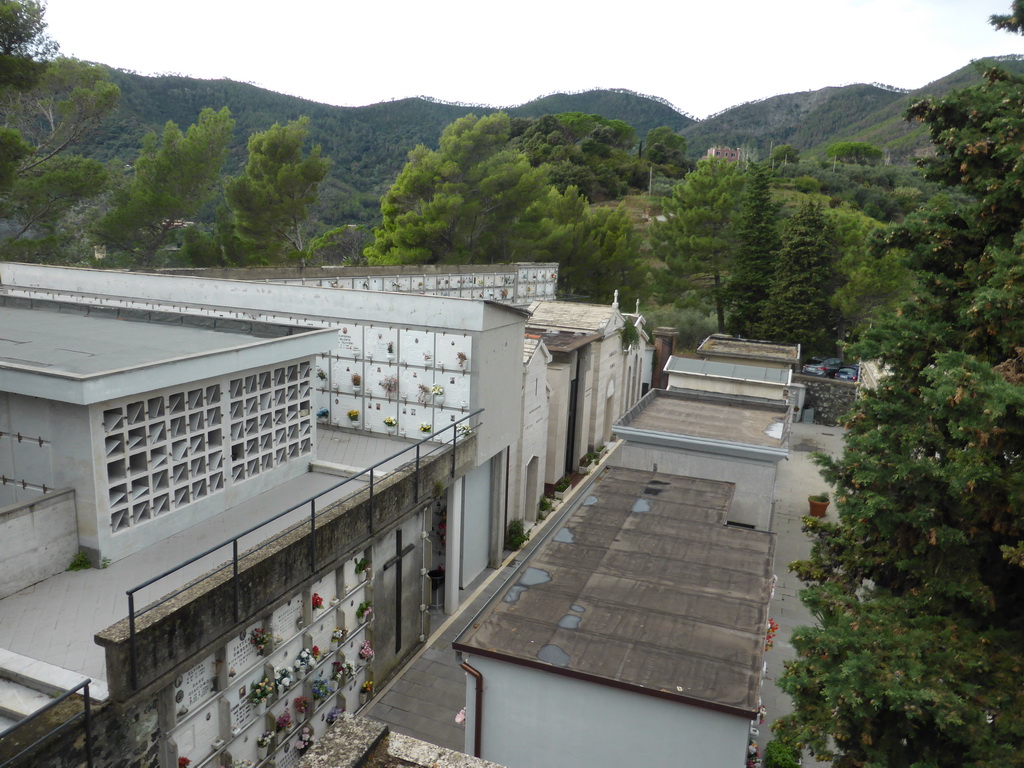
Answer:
(270, 419)
(167, 451)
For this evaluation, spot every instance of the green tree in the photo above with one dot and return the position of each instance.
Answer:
(797, 309)
(917, 658)
(784, 154)
(173, 175)
(24, 44)
(698, 237)
(473, 200)
(272, 199)
(757, 248)
(858, 152)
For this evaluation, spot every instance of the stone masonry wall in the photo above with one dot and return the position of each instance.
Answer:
(831, 399)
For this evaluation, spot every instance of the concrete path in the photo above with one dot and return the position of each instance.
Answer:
(422, 700)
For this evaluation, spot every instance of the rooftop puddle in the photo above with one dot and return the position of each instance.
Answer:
(569, 621)
(552, 654)
(641, 505)
(564, 535)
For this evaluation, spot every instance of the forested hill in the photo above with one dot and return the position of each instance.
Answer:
(812, 120)
(369, 145)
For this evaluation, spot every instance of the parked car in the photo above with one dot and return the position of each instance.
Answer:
(821, 366)
(848, 373)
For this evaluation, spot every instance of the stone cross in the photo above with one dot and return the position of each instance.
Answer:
(396, 561)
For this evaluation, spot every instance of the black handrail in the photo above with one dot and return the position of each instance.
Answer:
(85, 713)
(311, 500)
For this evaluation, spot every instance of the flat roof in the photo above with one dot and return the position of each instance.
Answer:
(756, 349)
(723, 370)
(716, 422)
(83, 354)
(571, 316)
(643, 588)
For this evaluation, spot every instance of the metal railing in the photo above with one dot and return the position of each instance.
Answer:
(456, 429)
(85, 714)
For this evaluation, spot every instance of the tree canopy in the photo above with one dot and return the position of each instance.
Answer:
(917, 659)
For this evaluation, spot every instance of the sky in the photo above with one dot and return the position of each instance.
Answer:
(701, 56)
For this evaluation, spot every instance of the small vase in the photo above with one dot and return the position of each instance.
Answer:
(363, 696)
(261, 709)
(438, 400)
(391, 430)
(261, 753)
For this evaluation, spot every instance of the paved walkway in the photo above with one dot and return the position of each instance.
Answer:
(422, 700)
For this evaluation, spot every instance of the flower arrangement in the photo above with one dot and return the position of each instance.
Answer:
(241, 764)
(426, 427)
(334, 715)
(464, 430)
(283, 678)
(264, 740)
(353, 415)
(437, 390)
(260, 638)
(389, 384)
(391, 347)
(320, 373)
(304, 660)
(318, 602)
(338, 635)
(367, 687)
(366, 651)
(390, 421)
(357, 380)
(321, 690)
(461, 356)
(261, 691)
(364, 611)
(340, 670)
(305, 740)
(362, 565)
(183, 762)
(284, 722)
(769, 637)
(301, 704)
(315, 652)
(460, 716)
(423, 394)
(323, 413)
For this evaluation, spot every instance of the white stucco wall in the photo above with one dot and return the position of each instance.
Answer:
(534, 441)
(721, 385)
(535, 719)
(755, 482)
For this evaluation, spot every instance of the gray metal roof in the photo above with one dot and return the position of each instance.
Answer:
(688, 365)
(643, 588)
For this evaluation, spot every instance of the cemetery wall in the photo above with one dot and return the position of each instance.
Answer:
(38, 538)
(196, 667)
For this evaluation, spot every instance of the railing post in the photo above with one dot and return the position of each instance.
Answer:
(312, 535)
(455, 439)
(234, 574)
(88, 728)
(373, 523)
(131, 641)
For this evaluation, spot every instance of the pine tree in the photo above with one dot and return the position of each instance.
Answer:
(797, 309)
(754, 262)
(918, 659)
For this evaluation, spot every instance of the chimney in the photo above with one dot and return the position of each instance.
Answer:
(664, 346)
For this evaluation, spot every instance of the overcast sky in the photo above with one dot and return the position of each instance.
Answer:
(702, 56)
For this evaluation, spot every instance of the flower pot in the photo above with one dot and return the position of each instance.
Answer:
(438, 400)
(261, 709)
(363, 696)
(261, 753)
(391, 430)
(817, 507)
(356, 390)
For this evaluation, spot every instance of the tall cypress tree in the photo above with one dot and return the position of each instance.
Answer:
(754, 262)
(797, 309)
(918, 658)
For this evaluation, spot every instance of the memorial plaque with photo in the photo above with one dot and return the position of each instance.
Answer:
(195, 686)
(285, 621)
(237, 697)
(240, 654)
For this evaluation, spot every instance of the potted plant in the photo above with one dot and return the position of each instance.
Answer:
(353, 416)
(357, 383)
(390, 422)
(424, 394)
(438, 392)
(461, 356)
(362, 568)
(426, 428)
(818, 503)
(364, 611)
(260, 638)
(263, 742)
(389, 384)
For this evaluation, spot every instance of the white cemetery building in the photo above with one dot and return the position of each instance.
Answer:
(157, 421)
(423, 361)
(727, 437)
(533, 444)
(723, 348)
(592, 378)
(728, 378)
(635, 634)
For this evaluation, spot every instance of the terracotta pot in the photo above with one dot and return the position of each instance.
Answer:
(817, 507)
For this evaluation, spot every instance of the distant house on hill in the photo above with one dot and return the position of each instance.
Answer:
(724, 153)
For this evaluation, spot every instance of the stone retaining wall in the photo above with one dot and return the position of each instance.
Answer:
(831, 399)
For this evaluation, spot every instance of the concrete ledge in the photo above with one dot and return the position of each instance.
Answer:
(44, 677)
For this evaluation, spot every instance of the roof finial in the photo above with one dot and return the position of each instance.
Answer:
(615, 302)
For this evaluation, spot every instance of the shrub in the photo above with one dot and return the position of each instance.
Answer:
(516, 536)
(779, 755)
(80, 562)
